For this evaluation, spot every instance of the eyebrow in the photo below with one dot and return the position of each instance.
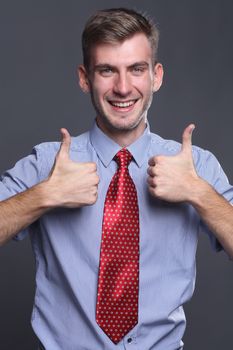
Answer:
(107, 65)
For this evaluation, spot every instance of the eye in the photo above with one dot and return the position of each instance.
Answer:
(138, 70)
(106, 72)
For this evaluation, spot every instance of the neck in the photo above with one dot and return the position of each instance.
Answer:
(123, 138)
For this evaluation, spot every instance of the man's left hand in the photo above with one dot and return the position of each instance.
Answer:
(174, 178)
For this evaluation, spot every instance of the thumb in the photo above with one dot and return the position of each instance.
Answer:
(187, 139)
(65, 144)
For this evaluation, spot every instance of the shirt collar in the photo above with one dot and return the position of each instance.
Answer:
(106, 148)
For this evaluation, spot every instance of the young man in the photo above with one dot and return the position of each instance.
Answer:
(114, 214)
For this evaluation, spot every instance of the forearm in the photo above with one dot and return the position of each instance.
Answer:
(19, 211)
(216, 212)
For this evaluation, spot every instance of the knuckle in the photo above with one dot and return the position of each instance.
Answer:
(159, 159)
(94, 190)
(94, 179)
(150, 171)
(152, 161)
(157, 171)
(97, 179)
(159, 193)
(151, 181)
(93, 198)
(89, 166)
(93, 166)
(153, 191)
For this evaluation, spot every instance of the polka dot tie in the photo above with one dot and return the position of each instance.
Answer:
(117, 299)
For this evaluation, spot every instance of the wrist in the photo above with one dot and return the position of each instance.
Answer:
(200, 191)
(47, 195)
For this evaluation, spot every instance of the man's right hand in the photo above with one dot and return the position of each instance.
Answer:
(71, 184)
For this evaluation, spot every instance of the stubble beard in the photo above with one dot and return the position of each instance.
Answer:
(121, 127)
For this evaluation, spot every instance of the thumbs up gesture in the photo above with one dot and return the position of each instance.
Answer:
(174, 178)
(71, 184)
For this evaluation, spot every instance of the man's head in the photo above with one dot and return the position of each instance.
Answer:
(120, 70)
(113, 26)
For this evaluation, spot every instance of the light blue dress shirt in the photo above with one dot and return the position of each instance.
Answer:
(66, 244)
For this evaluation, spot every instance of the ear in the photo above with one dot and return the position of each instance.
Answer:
(83, 78)
(158, 76)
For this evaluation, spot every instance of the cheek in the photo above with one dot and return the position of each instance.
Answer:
(99, 94)
(145, 85)
(101, 87)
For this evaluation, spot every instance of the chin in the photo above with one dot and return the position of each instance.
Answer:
(120, 122)
(125, 126)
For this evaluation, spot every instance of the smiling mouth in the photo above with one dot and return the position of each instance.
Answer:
(125, 104)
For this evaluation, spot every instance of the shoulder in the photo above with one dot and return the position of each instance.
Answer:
(78, 143)
(164, 146)
(203, 159)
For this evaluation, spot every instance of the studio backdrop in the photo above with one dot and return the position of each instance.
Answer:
(40, 50)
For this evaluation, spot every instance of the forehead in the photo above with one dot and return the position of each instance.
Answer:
(135, 49)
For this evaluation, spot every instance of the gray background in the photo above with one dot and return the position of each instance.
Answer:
(39, 52)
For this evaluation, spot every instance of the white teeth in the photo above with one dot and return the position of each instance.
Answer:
(123, 104)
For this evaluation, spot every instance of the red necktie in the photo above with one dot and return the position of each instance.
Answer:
(117, 300)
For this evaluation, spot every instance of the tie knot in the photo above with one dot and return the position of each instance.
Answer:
(123, 158)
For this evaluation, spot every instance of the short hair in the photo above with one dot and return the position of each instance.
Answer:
(115, 25)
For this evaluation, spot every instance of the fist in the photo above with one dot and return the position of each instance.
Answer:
(174, 178)
(72, 184)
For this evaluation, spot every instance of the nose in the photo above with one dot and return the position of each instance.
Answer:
(122, 85)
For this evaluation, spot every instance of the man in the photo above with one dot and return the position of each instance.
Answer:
(59, 194)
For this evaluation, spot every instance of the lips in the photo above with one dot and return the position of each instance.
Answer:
(123, 104)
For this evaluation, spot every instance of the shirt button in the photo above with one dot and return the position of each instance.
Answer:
(129, 340)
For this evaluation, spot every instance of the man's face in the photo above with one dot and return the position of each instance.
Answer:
(122, 79)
